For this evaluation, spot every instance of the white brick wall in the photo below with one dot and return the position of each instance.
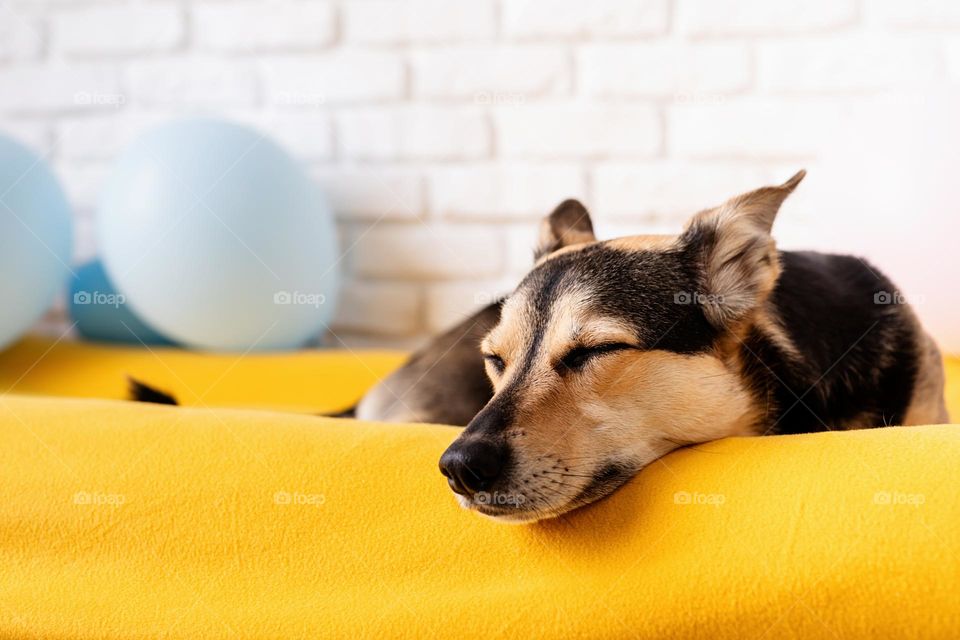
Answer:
(481, 72)
(441, 130)
(414, 133)
(117, 30)
(388, 22)
(573, 131)
(575, 19)
(243, 26)
(663, 69)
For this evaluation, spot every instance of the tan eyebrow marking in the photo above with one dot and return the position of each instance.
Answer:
(656, 242)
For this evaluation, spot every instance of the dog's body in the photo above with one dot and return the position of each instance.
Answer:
(442, 383)
(608, 355)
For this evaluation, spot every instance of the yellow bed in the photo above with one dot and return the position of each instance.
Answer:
(120, 520)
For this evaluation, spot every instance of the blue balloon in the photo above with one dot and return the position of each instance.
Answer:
(218, 238)
(101, 313)
(36, 239)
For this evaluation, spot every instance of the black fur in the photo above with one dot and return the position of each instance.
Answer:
(859, 357)
(445, 382)
(649, 289)
(141, 392)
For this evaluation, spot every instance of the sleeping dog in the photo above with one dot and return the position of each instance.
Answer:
(610, 354)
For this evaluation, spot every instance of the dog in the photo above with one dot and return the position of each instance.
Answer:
(610, 354)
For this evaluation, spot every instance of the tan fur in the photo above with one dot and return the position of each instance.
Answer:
(927, 405)
(565, 238)
(742, 266)
(653, 242)
(768, 324)
(631, 406)
(568, 225)
(660, 242)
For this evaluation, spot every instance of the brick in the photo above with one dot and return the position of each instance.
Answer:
(752, 128)
(497, 73)
(307, 136)
(35, 89)
(511, 191)
(762, 18)
(116, 30)
(100, 137)
(340, 77)
(386, 309)
(433, 133)
(663, 69)
(450, 303)
(848, 64)
(192, 82)
(21, 37)
(577, 131)
(422, 251)
(244, 26)
(670, 191)
(391, 22)
(372, 193)
(575, 18)
(936, 14)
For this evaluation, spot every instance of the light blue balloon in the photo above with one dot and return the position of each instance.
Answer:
(218, 239)
(101, 313)
(36, 239)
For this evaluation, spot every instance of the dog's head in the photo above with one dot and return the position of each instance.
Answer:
(610, 354)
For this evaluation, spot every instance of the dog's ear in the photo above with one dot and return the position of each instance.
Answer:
(568, 224)
(735, 253)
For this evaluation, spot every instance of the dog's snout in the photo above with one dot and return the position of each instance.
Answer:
(473, 465)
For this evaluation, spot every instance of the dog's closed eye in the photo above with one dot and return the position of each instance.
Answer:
(578, 357)
(495, 361)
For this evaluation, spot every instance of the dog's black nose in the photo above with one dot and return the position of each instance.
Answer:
(473, 465)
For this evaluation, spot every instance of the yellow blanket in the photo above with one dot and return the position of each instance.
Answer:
(120, 520)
